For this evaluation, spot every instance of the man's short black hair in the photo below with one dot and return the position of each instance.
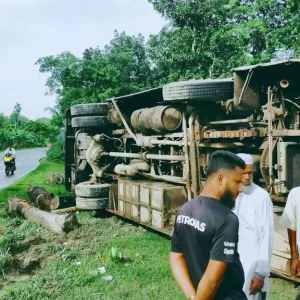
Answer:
(223, 160)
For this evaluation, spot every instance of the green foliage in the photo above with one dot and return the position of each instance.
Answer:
(44, 120)
(30, 134)
(20, 132)
(16, 114)
(36, 178)
(4, 121)
(122, 67)
(116, 255)
(208, 38)
(56, 152)
(57, 67)
(289, 35)
(43, 132)
(4, 257)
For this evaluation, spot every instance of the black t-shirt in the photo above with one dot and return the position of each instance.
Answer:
(206, 229)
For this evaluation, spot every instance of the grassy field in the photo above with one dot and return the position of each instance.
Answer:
(37, 264)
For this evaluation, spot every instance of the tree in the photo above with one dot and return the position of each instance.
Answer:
(57, 119)
(122, 67)
(42, 132)
(16, 114)
(210, 37)
(4, 121)
(288, 35)
(44, 120)
(28, 133)
(56, 66)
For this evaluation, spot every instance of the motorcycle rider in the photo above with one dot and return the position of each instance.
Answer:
(10, 150)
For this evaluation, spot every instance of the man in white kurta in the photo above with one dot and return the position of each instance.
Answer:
(291, 220)
(254, 209)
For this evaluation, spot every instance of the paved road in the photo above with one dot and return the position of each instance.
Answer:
(26, 161)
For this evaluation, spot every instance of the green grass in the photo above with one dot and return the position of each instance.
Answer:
(36, 177)
(142, 272)
(14, 228)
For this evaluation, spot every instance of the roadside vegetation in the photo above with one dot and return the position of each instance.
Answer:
(36, 264)
(20, 132)
(56, 152)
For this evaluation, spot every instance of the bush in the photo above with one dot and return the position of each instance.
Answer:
(31, 134)
(56, 152)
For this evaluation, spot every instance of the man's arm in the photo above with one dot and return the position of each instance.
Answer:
(211, 280)
(294, 252)
(181, 274)
(289, 220)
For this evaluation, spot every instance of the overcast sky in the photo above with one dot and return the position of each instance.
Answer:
(30, 29)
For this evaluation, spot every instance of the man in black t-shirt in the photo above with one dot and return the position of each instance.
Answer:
(204, 258)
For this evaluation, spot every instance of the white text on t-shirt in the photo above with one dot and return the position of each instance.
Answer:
(181, 219)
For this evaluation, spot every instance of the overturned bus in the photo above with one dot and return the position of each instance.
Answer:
(143, 155)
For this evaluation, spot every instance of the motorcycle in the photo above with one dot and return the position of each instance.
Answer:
(9, 162)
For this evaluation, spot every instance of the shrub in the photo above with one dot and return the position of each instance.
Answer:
(56, 152)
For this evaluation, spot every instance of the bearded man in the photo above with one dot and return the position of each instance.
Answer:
(254, 210)
(204, 258)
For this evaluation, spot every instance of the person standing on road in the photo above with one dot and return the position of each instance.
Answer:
(254, 209)
(204, 258)
(291, 220)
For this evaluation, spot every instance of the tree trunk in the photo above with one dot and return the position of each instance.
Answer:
(53, 222)
(42, 198)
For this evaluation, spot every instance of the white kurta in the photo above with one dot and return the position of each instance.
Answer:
(291, 215)
(254, 209)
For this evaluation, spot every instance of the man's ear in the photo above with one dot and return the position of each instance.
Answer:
(220, 179)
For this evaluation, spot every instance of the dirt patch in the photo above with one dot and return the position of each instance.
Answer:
(27, 265)
(26, 244)
(17, 278)
(25, 259)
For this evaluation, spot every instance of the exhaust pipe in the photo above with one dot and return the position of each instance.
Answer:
(284, 83)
